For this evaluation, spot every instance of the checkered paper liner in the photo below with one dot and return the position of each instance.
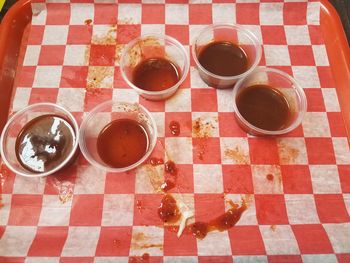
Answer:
(83, 214)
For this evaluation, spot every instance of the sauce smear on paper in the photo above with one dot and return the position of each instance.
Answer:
(44, 143)
(122, 143)
(168, 210)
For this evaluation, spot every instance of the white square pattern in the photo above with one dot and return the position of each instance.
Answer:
(207, 178)
(224, 13)
(180, 102)
(76, 99)
(21, 98)
(31, 57)
(16, 240)
(339, 236)
(261, 181)
(330, 99)
(292, 151)
(86, 182)
(325, 179)
(81, 241)
(277, 55)
(234, 150)
(47, 76)
(315, 124)
(54, 212)
(176, 14)
(142, 236)
(271, 14)
(341, 150)
(118, 210)
(26, 185)
(76, 55)
(80, 13)
(297, 205)
(307, 77)
(179, 149)
(214, 244)
(129, 13)
(55, 35)
(297, 35)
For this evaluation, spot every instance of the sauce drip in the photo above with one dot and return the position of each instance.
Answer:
(264, 107)
(221, 223)
(44, 143)
(154, 161)
(223, 58)
(174, 127)
(122, 143)
(170, 167)
(168, 210)
(155, 74)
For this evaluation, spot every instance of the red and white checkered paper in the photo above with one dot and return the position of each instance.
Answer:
(83, 214)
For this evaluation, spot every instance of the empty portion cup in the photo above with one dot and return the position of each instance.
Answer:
(225, 53)
(154, 66)
(117, 136)
(39, 140)
(268, 102)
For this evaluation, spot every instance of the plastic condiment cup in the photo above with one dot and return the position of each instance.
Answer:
(235, 34)
(286, 85)
(154, 46)
(14, 126)
(103, 114)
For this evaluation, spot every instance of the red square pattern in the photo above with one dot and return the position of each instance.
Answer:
(206, 150)
(86, 210)
(25, 210)
(296, 179)
(263, 151)
(200, 14)
(26, 76)
(74, 77)
(331, 208)
(126, 33)
(344, 171)
(343, 258)
(336, 124)
(210, 103)
(237, 179)
(294, 13)
(326, 77)
(246, 240)
(51, 55)
(48, 241)
(208, 206)
(118, 80)
(184, 181)
(156, 106)
(228, 126)
(61, 178)
(144, 212)
(185, 121)
(271, 209)
(105, 14)
(216, 259)
(247, 13)
(180, 32)
(12, 259)
(96, 97)
(312, 239)
(316, 36)
(284, 259)
(57, 13)
(121, 183)
(102, 55)
(301, 55)
(314, 99)
(153, 14)
(273, 35)
(320, 150)
(185, 245)
(79, 34)
(43, 95)
(114, 241)
(36, 35)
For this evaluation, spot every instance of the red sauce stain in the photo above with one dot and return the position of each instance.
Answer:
(221, 223)
(154, 161)
(269, 177)
(144, 258)
(170, 167)
(167, 185)
(139, 206)
(88, 22)
(168, 210)
(174, 127)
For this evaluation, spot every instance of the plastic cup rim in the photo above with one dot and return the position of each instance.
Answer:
(107, 168)
(65, 161)
(161, 92)
(252, 37)
(300, 94)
